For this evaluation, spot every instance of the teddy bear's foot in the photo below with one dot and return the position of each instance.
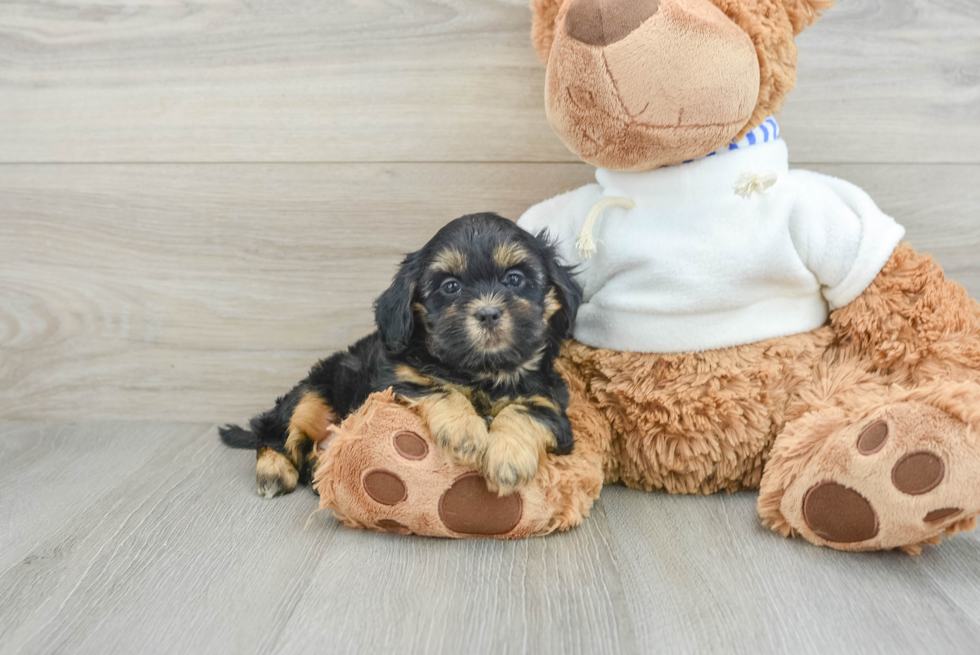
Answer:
(897, 477)
(382, 471)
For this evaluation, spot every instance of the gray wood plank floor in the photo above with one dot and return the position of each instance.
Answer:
(146, 537)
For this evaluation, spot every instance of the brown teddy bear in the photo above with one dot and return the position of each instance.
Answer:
(745, 326)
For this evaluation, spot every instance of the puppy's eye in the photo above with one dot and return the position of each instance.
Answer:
(450, 287)
(514, 279)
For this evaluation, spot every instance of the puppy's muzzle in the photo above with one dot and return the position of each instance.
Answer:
(488, 317)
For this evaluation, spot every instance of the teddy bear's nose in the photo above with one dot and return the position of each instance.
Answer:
(601, 22)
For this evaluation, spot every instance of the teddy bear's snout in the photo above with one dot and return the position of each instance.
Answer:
(602, 22)
(675, 79)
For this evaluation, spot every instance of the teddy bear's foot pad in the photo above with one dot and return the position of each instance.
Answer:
(382, 471)
(466, 507)
(896, 480)
(469, 507)
(839, 514)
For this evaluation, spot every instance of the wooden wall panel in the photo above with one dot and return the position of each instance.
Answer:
(426, 80)
(200, 292)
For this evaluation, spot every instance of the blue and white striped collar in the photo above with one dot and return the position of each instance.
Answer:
(768, 131)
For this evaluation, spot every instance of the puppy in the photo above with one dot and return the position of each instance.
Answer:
(468, 333)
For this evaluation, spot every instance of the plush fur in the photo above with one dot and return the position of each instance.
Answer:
(859, 435)
(606, 102)
(780, 415)
(468, 333)
(556, 499)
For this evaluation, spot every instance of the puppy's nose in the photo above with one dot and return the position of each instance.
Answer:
(488, 316)
(602, 22)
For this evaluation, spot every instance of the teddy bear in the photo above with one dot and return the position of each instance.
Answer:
(745, 326)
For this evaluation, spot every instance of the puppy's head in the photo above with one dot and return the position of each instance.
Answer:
(483, 294)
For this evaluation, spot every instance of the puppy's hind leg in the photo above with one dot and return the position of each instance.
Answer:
(274, 473)
(309, 424)
(284, 438)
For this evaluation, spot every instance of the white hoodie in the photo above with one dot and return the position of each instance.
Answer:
(695, 266)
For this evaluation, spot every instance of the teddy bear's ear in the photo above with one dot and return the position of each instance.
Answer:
(545, 19)
(803, 13)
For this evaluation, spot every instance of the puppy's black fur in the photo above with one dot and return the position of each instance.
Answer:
(481, 309)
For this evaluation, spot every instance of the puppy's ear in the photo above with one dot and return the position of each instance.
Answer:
(393, 308)
(567, 290)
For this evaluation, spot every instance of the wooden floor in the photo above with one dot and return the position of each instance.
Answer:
(199, 199)
(135, 537)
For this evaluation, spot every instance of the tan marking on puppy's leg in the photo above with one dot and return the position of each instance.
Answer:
(274, 474)
(517, 442)
(455, 425)
(507, 255)
(309, 424)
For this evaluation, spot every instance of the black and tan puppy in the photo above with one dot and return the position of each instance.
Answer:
(468, 332)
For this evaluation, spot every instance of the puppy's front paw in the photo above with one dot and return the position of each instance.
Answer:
(511, 462)
(275, 475)
(464, 435)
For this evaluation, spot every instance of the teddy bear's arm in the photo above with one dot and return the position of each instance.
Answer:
(913, 322)
(840, 234)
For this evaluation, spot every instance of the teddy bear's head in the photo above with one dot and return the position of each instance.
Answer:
(633, 85)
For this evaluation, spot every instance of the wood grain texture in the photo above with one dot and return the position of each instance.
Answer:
(703, 575)
(559, 595)
(182, 557)
(50, 475)
(424, 80)
(201, 292)
(176, 554)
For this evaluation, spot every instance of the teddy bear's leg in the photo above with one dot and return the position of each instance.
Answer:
(697, 423)
(895, 469)
(892, 459)
(382, 470)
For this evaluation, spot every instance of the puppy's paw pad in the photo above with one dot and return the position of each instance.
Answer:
(269, 489)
